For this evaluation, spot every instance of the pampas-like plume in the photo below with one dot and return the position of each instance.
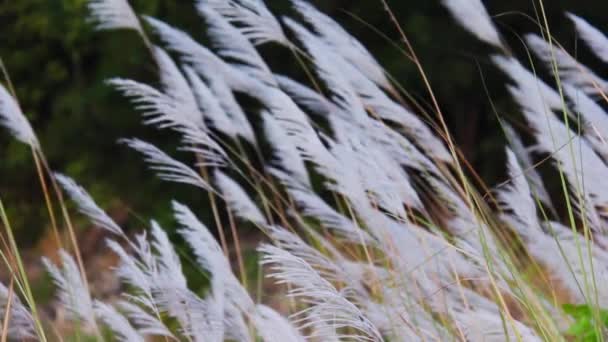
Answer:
(210, 256)
(472, 15)
(238, 200)
(146, 324)
(516, 198)
(175, 107)
(21, 322)
(273, 327)
(169, 265)
(113, 14)
(193, 314)
(343, 43)
(314, 206)
(209, 105)
(208, 251)
(595, 119)
(228, 298)
(13, 119)
(555, 250)
(166, 167)
(326, 62)
(554, 137)
(380, 104)
(220, 77)
(231, 44)
(569, 69)
(523, 157)
(595, 39)
(306, 97)
(286, 154)
(258, 23)
(87, 206)
(159, 109)
(536, 89)
(73, 291)
(327, 305)
(120, 326)
(325, 266)
(177, 88)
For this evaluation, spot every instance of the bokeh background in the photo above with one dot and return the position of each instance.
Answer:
(58, 65)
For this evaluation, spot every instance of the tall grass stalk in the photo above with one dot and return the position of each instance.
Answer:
(372, 222)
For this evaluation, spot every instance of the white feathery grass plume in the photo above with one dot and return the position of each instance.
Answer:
(113, 14)
(255, 20)
(314, 206)
(139, 273)
(528, 82)
(349, 104)
(203, 60)
(21, 322)
(228, 298)
(472, 15)
(326, 304)
(381, 105)
(233, 46)
(398, 147)
(87, 206)
(222, 91)
(388, 185)
(570, 70)
(595, 39)
(326, 267)
(235, 327)
(595, 119)
(343, 43)
(305, 96)
(119, 324)
(145, 323)
(15, 121)
(209, 253)
(552, 250)
(158, 109)
(396, 322)
(220, 77)
(199, 142)
(200, 319)
(570, 268)
(286, 154)
(472, 235)
(177, 88)
(196, 317)
(515, 198)
(574, 155)
(73, 293)
(210, 256)
(238, 200)
(298, 127)
(327, 64)
(169, 265)
(481, 325)
(167, 168)
(210, 106)
(523, 157)
(273, 327)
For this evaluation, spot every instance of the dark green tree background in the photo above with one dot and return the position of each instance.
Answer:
(58, 65)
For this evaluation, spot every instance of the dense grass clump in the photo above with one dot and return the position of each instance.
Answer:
(370, 224)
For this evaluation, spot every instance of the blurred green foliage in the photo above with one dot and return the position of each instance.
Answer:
(585, 327)
(58, 65)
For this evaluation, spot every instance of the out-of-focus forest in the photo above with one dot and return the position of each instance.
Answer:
(58, 65)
